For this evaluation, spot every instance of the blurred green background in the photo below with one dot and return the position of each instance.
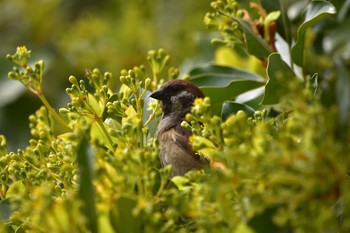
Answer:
(72, 36)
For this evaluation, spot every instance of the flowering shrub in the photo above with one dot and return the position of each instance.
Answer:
(278, 166)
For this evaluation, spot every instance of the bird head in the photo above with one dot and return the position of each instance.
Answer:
(177, 97)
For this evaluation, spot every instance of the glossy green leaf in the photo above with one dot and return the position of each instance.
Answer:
(314, 12)
(86, 189)
(219, 95)
(122, 217)
(199, 75)
(230, 107)
(222, 83)
(251, 96)
(279, 74)
(256, 45)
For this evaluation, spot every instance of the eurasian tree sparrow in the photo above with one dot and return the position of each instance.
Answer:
(177, 98)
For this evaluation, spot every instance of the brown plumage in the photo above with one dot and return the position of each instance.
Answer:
(177, 97)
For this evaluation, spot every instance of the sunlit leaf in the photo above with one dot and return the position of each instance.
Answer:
(98, 133)
(207, 148)
(181, 182)
(15, 188)
(244, 228)
(104, 224)
(272, 16)
(314, 12)
(131, 116)
(95, 105)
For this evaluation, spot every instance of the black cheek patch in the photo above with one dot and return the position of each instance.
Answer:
(186, 98)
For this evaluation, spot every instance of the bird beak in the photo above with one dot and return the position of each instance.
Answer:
(158, 94)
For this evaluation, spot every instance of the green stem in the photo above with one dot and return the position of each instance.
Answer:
(160, 190)
(139, 110)
(155, 79)
(151, 117)
(53, 112)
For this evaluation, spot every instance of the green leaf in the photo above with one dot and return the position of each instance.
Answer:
(15, 188)
(314, 12)
(86, 189)
(272, 16)
(182, 182)
(104, 223)
(5, 210)
(256, 45)
(97, 108)
(283, 23)
(336, 43)
(122, 218)
(98, 133)
(343, 93)
(225, 73)
(263, 222)
(252, 96)
(279, 75)
(230, 107)
(222, 83)
(105, 113)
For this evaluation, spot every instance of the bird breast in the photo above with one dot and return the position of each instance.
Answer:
(176, 151)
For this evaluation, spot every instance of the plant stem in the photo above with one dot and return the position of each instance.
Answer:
(53, 112)
(151, 117)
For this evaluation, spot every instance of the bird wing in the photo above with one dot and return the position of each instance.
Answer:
(181, 136)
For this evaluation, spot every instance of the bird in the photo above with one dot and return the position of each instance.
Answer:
(177, 97)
